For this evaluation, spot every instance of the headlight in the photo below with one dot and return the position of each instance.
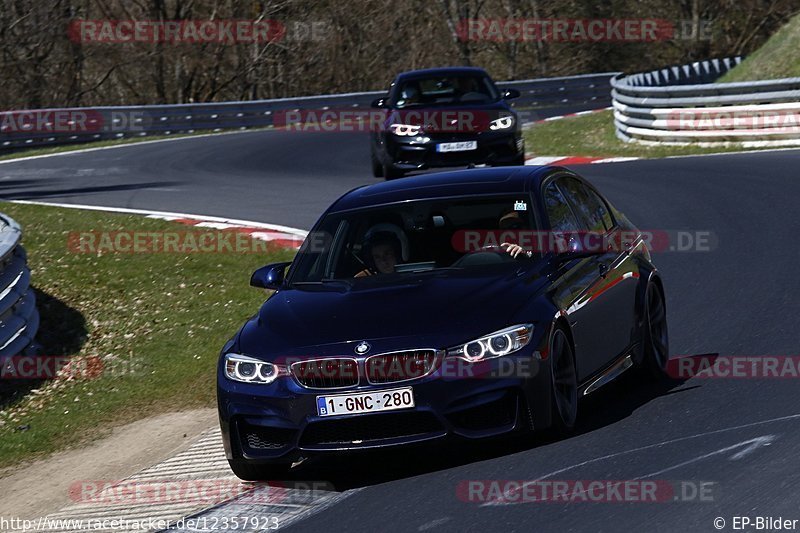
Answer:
(248, 370)
(502, 123)
(406, 130)
(496, 344)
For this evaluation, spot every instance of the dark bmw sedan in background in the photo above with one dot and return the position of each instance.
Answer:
(445, 117)
(413, 312)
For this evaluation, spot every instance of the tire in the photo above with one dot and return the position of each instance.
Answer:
(391, 173)
(655, 338)
(247, 471)
(564, 383)
(377, 168)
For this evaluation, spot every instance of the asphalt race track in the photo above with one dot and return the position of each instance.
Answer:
(259, 175)
(740, 298)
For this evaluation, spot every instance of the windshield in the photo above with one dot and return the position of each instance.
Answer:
(428, 235)
(446, 90)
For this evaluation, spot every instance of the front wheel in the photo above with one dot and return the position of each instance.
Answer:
(564, 383)
(247, 471)
(656, 337)
(391, 173)
(377, 168)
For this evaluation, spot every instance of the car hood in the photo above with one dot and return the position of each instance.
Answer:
(430, 311)
(498, 105)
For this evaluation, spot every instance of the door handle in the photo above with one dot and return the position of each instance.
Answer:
(603, 268)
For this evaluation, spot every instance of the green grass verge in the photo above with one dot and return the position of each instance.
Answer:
(779, 57)
(593, 135)
(157, 320)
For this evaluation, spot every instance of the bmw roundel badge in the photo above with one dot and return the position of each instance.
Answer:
(362, 347)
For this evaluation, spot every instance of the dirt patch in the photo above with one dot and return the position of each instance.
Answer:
(43, 487)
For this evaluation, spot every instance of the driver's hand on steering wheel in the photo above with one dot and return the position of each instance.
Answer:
(514, 250)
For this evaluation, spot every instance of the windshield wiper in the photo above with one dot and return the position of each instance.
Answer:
(424, 270)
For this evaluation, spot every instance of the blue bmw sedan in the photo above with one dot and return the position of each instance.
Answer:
(464, 304)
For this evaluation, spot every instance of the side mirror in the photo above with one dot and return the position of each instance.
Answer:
(379, 103)
(270, 276)
(510, 94)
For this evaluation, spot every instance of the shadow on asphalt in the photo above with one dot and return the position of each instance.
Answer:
(49, 192)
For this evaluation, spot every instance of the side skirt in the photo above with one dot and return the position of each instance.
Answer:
(609, 374)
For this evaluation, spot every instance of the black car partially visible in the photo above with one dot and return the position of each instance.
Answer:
(445, 117)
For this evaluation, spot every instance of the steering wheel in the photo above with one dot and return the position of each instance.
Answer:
(487, 255)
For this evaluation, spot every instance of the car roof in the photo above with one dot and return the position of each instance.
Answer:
(441, 71)
(471, 182)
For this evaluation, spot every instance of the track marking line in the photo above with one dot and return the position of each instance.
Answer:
(575, 160)
(642, 448)
(284, 236)
(751, 446)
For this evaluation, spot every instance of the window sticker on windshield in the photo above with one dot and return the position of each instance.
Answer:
(520, 206)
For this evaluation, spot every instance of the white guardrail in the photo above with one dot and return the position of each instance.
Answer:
(680, 105)
(19, 320)
(47, 127)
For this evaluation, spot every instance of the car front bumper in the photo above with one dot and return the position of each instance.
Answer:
(277, 423)
(420, 152)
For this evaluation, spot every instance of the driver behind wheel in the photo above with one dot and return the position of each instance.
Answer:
(382, 250)
(513, 221)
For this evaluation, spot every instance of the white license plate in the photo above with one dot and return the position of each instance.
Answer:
(366, 402)
(462, 146)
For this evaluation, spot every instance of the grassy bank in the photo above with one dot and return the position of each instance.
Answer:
(777, 58)
(593, 135)
(155, 320)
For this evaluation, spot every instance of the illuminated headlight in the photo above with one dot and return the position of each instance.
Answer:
(497, 344)
(502, 123)
(249, 370)
(405, 130)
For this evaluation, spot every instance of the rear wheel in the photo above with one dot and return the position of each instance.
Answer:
(258, 472)
(656, 337)
(564, 383)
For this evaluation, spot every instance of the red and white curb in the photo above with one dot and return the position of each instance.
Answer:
(575, 160)
(568, 115)
(280, 236)
(280, 239)
(572, 160)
